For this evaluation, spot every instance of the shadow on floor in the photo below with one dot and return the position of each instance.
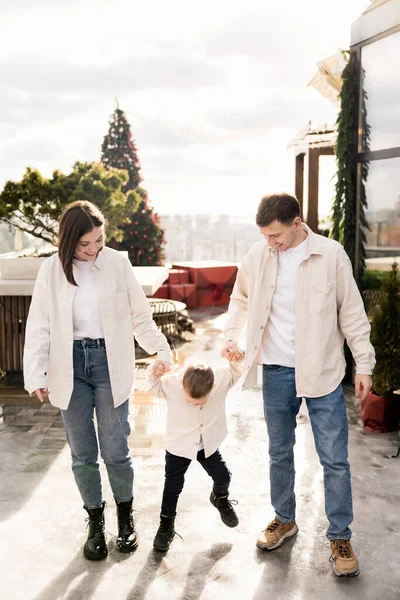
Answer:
(200, 567)
(146, 576)
(31, 438)
(78, 580)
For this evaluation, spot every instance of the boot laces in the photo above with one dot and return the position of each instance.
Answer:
(343, 549)
(126, 518)
(166, 529)
(96, 525)
(273, 526)
(126, 523)
(225, 504)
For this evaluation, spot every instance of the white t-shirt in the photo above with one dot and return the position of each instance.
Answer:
(277, 344)
(85, 306)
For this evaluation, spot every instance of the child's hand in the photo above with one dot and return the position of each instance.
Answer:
(160, 368)
(239, 355)
(41, 393)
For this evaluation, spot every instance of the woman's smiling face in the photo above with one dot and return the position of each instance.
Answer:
(90, 244)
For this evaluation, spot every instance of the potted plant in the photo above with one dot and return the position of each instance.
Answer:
(381, 409)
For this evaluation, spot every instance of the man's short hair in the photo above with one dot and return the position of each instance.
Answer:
(198, 381)
(280, 207)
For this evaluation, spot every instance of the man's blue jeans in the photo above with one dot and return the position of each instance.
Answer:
(329, 425)
(92, 392)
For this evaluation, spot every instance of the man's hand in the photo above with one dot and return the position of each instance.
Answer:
(231, 352)
(363, 384)
(41, 393)
(160, 368)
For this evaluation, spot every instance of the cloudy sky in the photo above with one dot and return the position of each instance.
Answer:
(214, 90)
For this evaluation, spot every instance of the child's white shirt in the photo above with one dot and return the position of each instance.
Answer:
(189, 425)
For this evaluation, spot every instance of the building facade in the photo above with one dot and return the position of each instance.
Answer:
(375, 40)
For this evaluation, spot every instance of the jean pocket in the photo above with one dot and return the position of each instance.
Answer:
(273, 368)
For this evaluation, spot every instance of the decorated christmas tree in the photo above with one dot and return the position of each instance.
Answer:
(143, 235)
(119, 151)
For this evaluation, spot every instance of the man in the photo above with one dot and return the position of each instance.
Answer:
(296, 291)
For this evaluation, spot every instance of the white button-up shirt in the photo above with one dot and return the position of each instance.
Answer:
(328, 310)
(125, 313)
(186, 423)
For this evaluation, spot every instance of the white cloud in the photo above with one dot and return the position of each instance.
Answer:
(214, 91)
(34, 73)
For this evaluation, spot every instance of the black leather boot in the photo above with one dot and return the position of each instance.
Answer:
(127, 540)
(225, 508)
(95, 547)
(165, 534)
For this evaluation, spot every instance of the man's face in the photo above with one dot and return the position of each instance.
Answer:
(282, 236)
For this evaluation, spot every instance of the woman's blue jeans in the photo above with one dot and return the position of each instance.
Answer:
(329, 425)
(92, 393)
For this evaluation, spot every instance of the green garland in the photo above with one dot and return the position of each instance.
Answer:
(344, 209)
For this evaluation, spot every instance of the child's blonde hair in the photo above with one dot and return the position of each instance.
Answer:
(198, 381)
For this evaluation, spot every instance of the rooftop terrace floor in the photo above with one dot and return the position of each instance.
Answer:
(42, 524)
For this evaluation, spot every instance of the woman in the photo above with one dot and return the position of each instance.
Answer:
(86, 308)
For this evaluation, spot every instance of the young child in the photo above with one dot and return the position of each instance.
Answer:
(196, 426)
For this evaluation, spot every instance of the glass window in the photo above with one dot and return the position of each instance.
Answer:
(382, 85)
(383, 213)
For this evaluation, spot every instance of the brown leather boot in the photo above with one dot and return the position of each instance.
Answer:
(345, 563)
(275, 534)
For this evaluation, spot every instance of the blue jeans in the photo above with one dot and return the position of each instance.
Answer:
(92, 391)
(329, 425)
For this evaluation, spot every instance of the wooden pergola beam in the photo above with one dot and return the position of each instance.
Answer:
(313, 183)
(299, 179)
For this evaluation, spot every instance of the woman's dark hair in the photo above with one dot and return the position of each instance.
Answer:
(78, 219)
(280, 207)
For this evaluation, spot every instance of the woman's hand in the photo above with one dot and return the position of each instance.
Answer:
(41, 393)
(160, 368)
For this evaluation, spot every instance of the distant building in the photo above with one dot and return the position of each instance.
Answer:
(209, 237)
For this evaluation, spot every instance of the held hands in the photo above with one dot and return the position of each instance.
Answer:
(160, 368)
(41, 394)
(363, 384)
(232, 352)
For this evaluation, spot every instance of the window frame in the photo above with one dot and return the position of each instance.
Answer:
(370, 155)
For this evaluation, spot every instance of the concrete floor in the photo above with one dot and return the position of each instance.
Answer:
(42, 524)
